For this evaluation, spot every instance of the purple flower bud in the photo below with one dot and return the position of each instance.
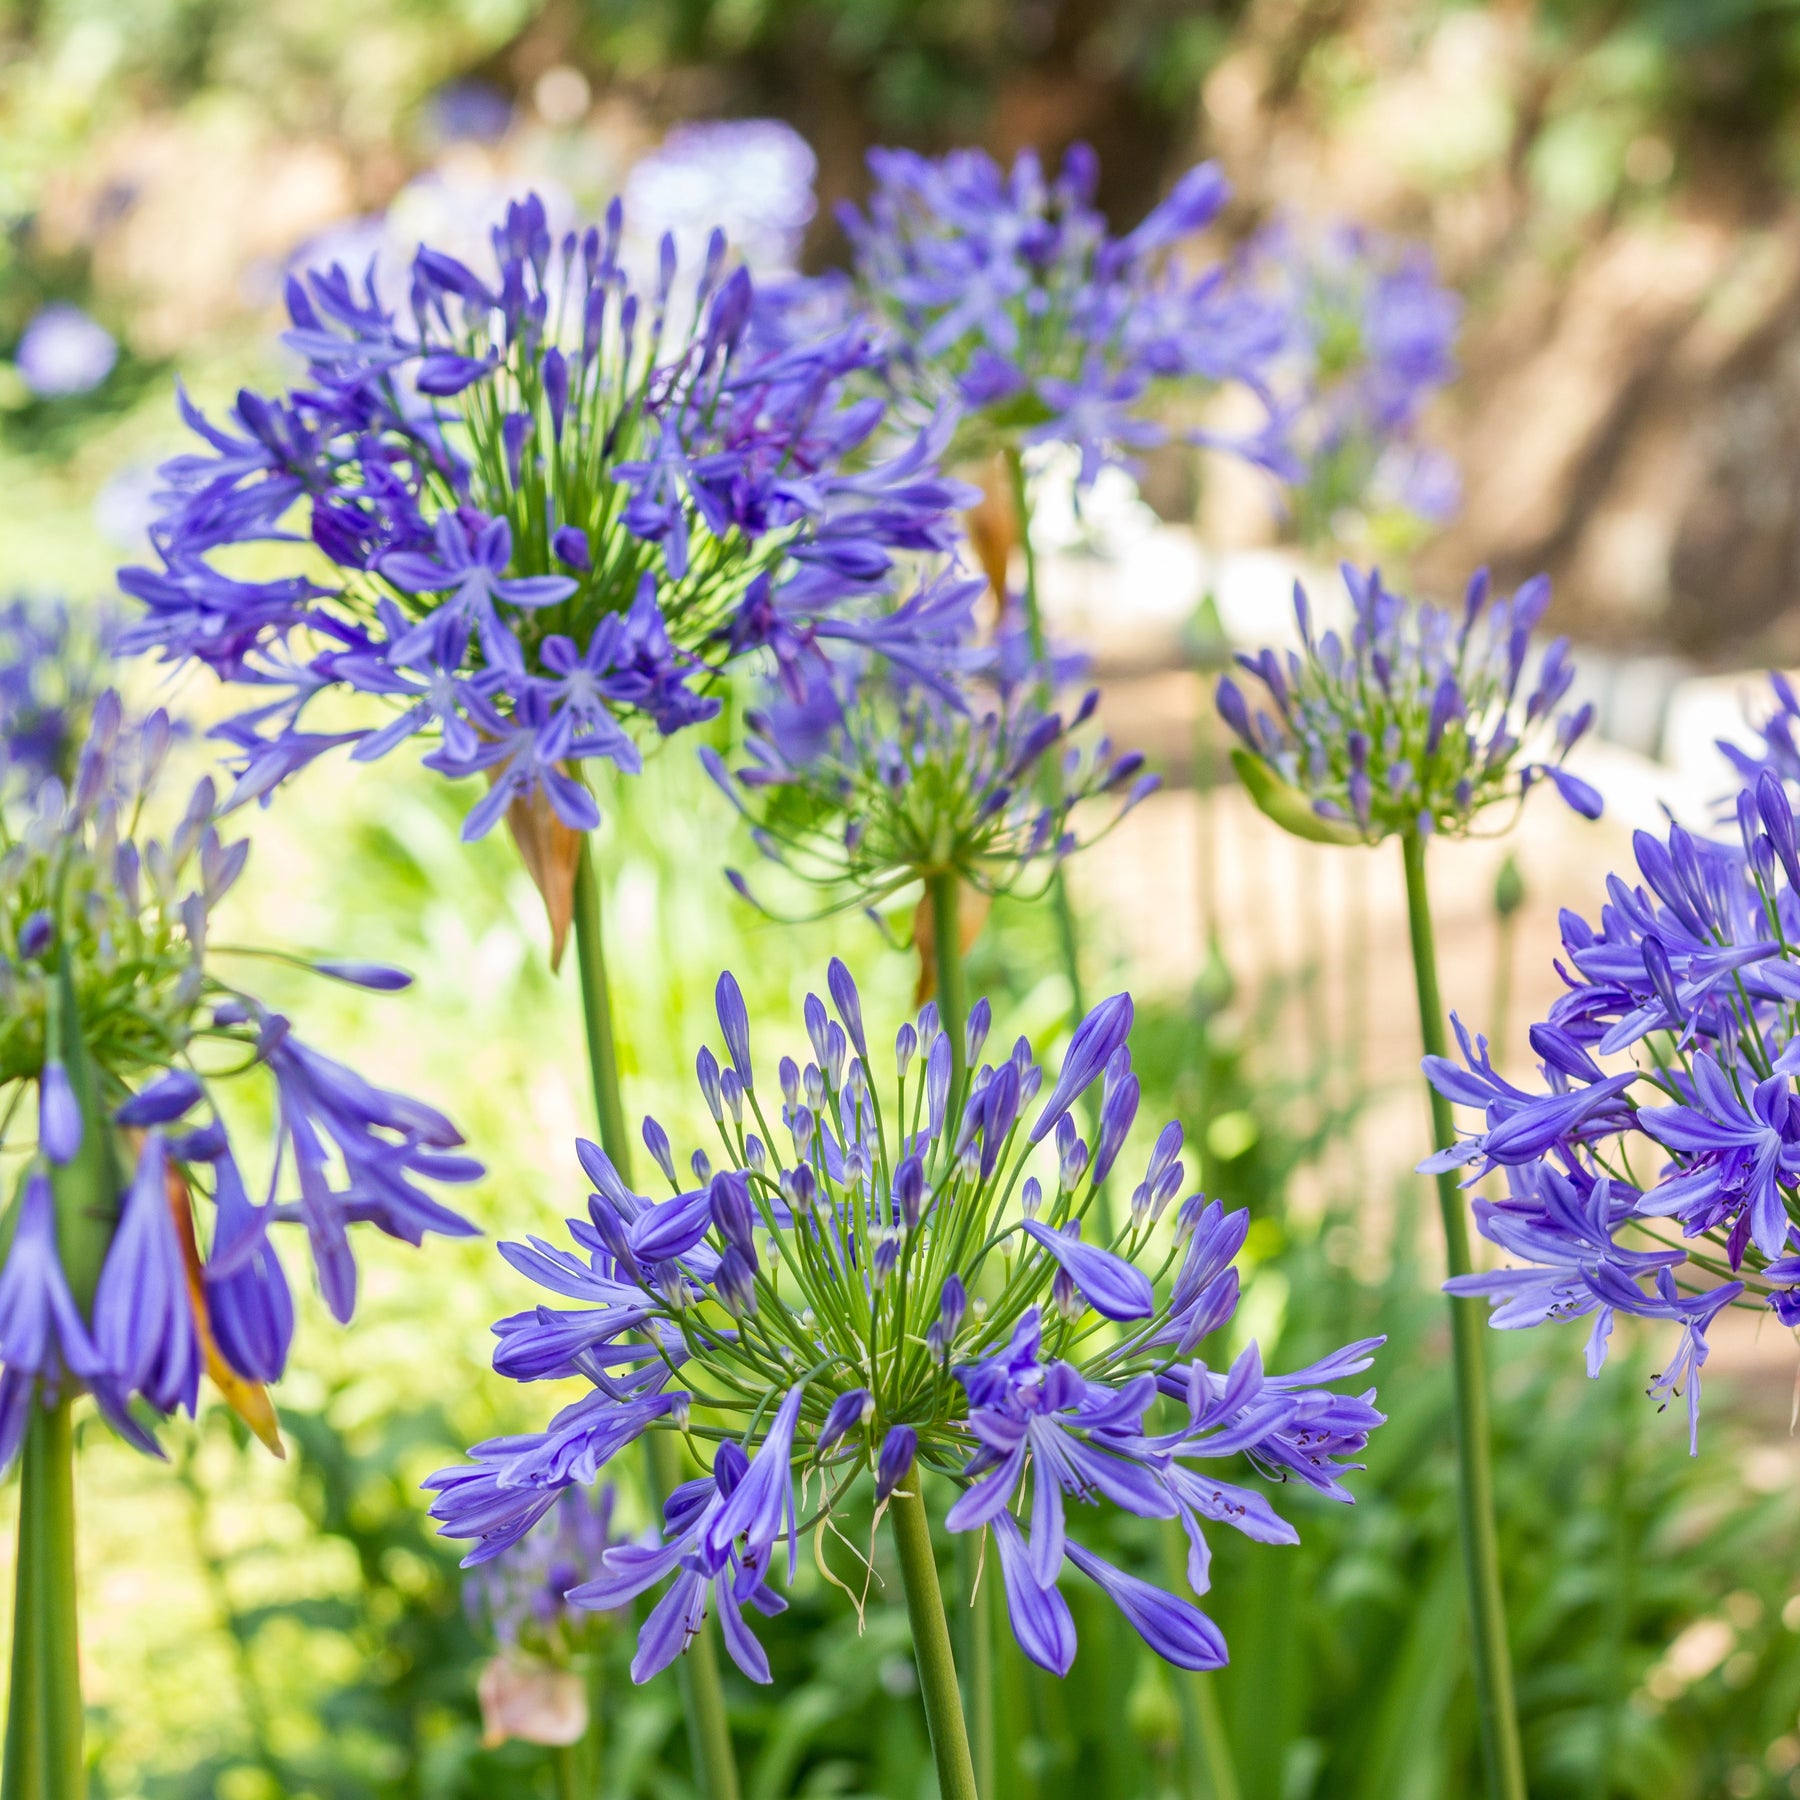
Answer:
(906, 1044)
(953, 1306)
(731, 1091)
(570, 544)
(928, 1026)
(886, 1261)
(701, 1164)
(909, 1190)
(735, 1281)
(847, 1412)
(1096, 1039)
(165, 1099)
(728, 1200)
(59, 1117)
(896, 1459)
(844, 998)
(706, 1068)
(36, 935)
(377, 977)
(556, 389)
(1662, 979)
(734, 1022)
(937, 1085)
(1234, 711)
(656, 1141)
(1117, 1112)
(981, 1017)
(599, 1169)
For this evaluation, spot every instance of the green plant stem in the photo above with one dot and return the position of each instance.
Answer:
(977, 1631)
(566, 1760)
(697, 1673)
(593, 1740)
(1475, 1470)
(931, 1646)
(1068, 935)
(947, 964)
(43, 1723)
(1211, 1768)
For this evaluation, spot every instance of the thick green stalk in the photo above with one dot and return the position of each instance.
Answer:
(931, 1645)
(947, 964)
(978, 1630)
(1474, 1449)
(43, 1724)
(1068, 937)
(702, 1692)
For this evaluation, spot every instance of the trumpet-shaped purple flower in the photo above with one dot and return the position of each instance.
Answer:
(914, 1325)
(1691, 975)
(529, 459)
(1415, 719)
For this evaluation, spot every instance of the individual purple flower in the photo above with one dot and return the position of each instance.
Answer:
(864, 1212)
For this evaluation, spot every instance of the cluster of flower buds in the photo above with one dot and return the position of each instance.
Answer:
(888, 1274)
(553, 508)
(115, 1019)
(1416, 720)
(1669, 1187)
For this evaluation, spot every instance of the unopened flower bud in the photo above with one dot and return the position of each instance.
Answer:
(848, 1411)
(1031, 1197)
(706, 1067)
(656, 1141)
(896, 1459)
(909, 1191)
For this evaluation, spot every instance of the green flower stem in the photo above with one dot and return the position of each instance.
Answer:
(702, 1692)
(1211, 1768)
(931, 1645)
(43, 1723)
(1068, 936)
(978, 1632)
(1481, 1549)
(947, 969)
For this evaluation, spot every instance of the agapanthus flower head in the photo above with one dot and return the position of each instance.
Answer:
(1655, 1169)
(54, 663)
(857, 1292)
(1008, 292)
(519, 1598)
(1371, 338)
(120, 1027)
(533, 515)
(871, 782)
(1413, 719)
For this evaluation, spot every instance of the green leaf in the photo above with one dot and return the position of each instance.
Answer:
(1287, 806)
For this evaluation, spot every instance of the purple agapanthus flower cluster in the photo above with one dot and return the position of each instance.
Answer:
(117, 1034)
(1656, 1169)
(872, 782)
(54, 664)
(520, 1597)
(1371, 338)
(1414, 719)
(1007, 292)
(535, 515)
(891, 1275)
